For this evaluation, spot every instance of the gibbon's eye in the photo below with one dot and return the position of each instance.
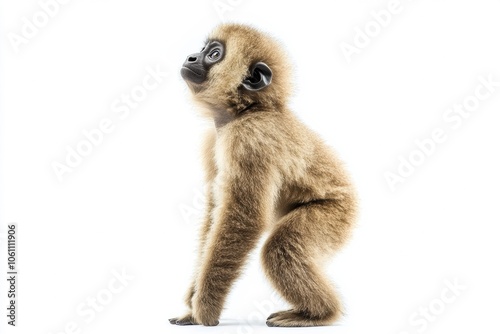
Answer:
(214, 54)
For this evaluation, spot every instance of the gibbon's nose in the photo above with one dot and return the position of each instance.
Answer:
(192, 58)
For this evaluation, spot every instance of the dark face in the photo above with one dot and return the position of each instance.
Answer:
(197, 65)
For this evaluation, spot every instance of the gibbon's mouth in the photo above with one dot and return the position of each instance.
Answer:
(191, 75)
(191, 70)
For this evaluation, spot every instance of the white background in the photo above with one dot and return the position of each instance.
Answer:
(132, 203)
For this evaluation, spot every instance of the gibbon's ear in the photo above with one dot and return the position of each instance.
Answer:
(260, 77)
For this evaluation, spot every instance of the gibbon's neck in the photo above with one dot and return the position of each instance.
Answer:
(222, 116)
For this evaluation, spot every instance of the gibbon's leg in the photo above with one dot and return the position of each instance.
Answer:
(290, 258)
(239, 223)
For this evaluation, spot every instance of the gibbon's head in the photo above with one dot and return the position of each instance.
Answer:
(238, 68)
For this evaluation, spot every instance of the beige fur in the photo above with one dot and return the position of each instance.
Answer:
(266, 171)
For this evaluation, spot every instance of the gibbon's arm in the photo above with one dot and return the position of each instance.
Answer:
(243, 202)
(210, 173)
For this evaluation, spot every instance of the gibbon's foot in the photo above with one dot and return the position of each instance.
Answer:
(273, 315)
(183, 321)
(189, 320)
(293, 318)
